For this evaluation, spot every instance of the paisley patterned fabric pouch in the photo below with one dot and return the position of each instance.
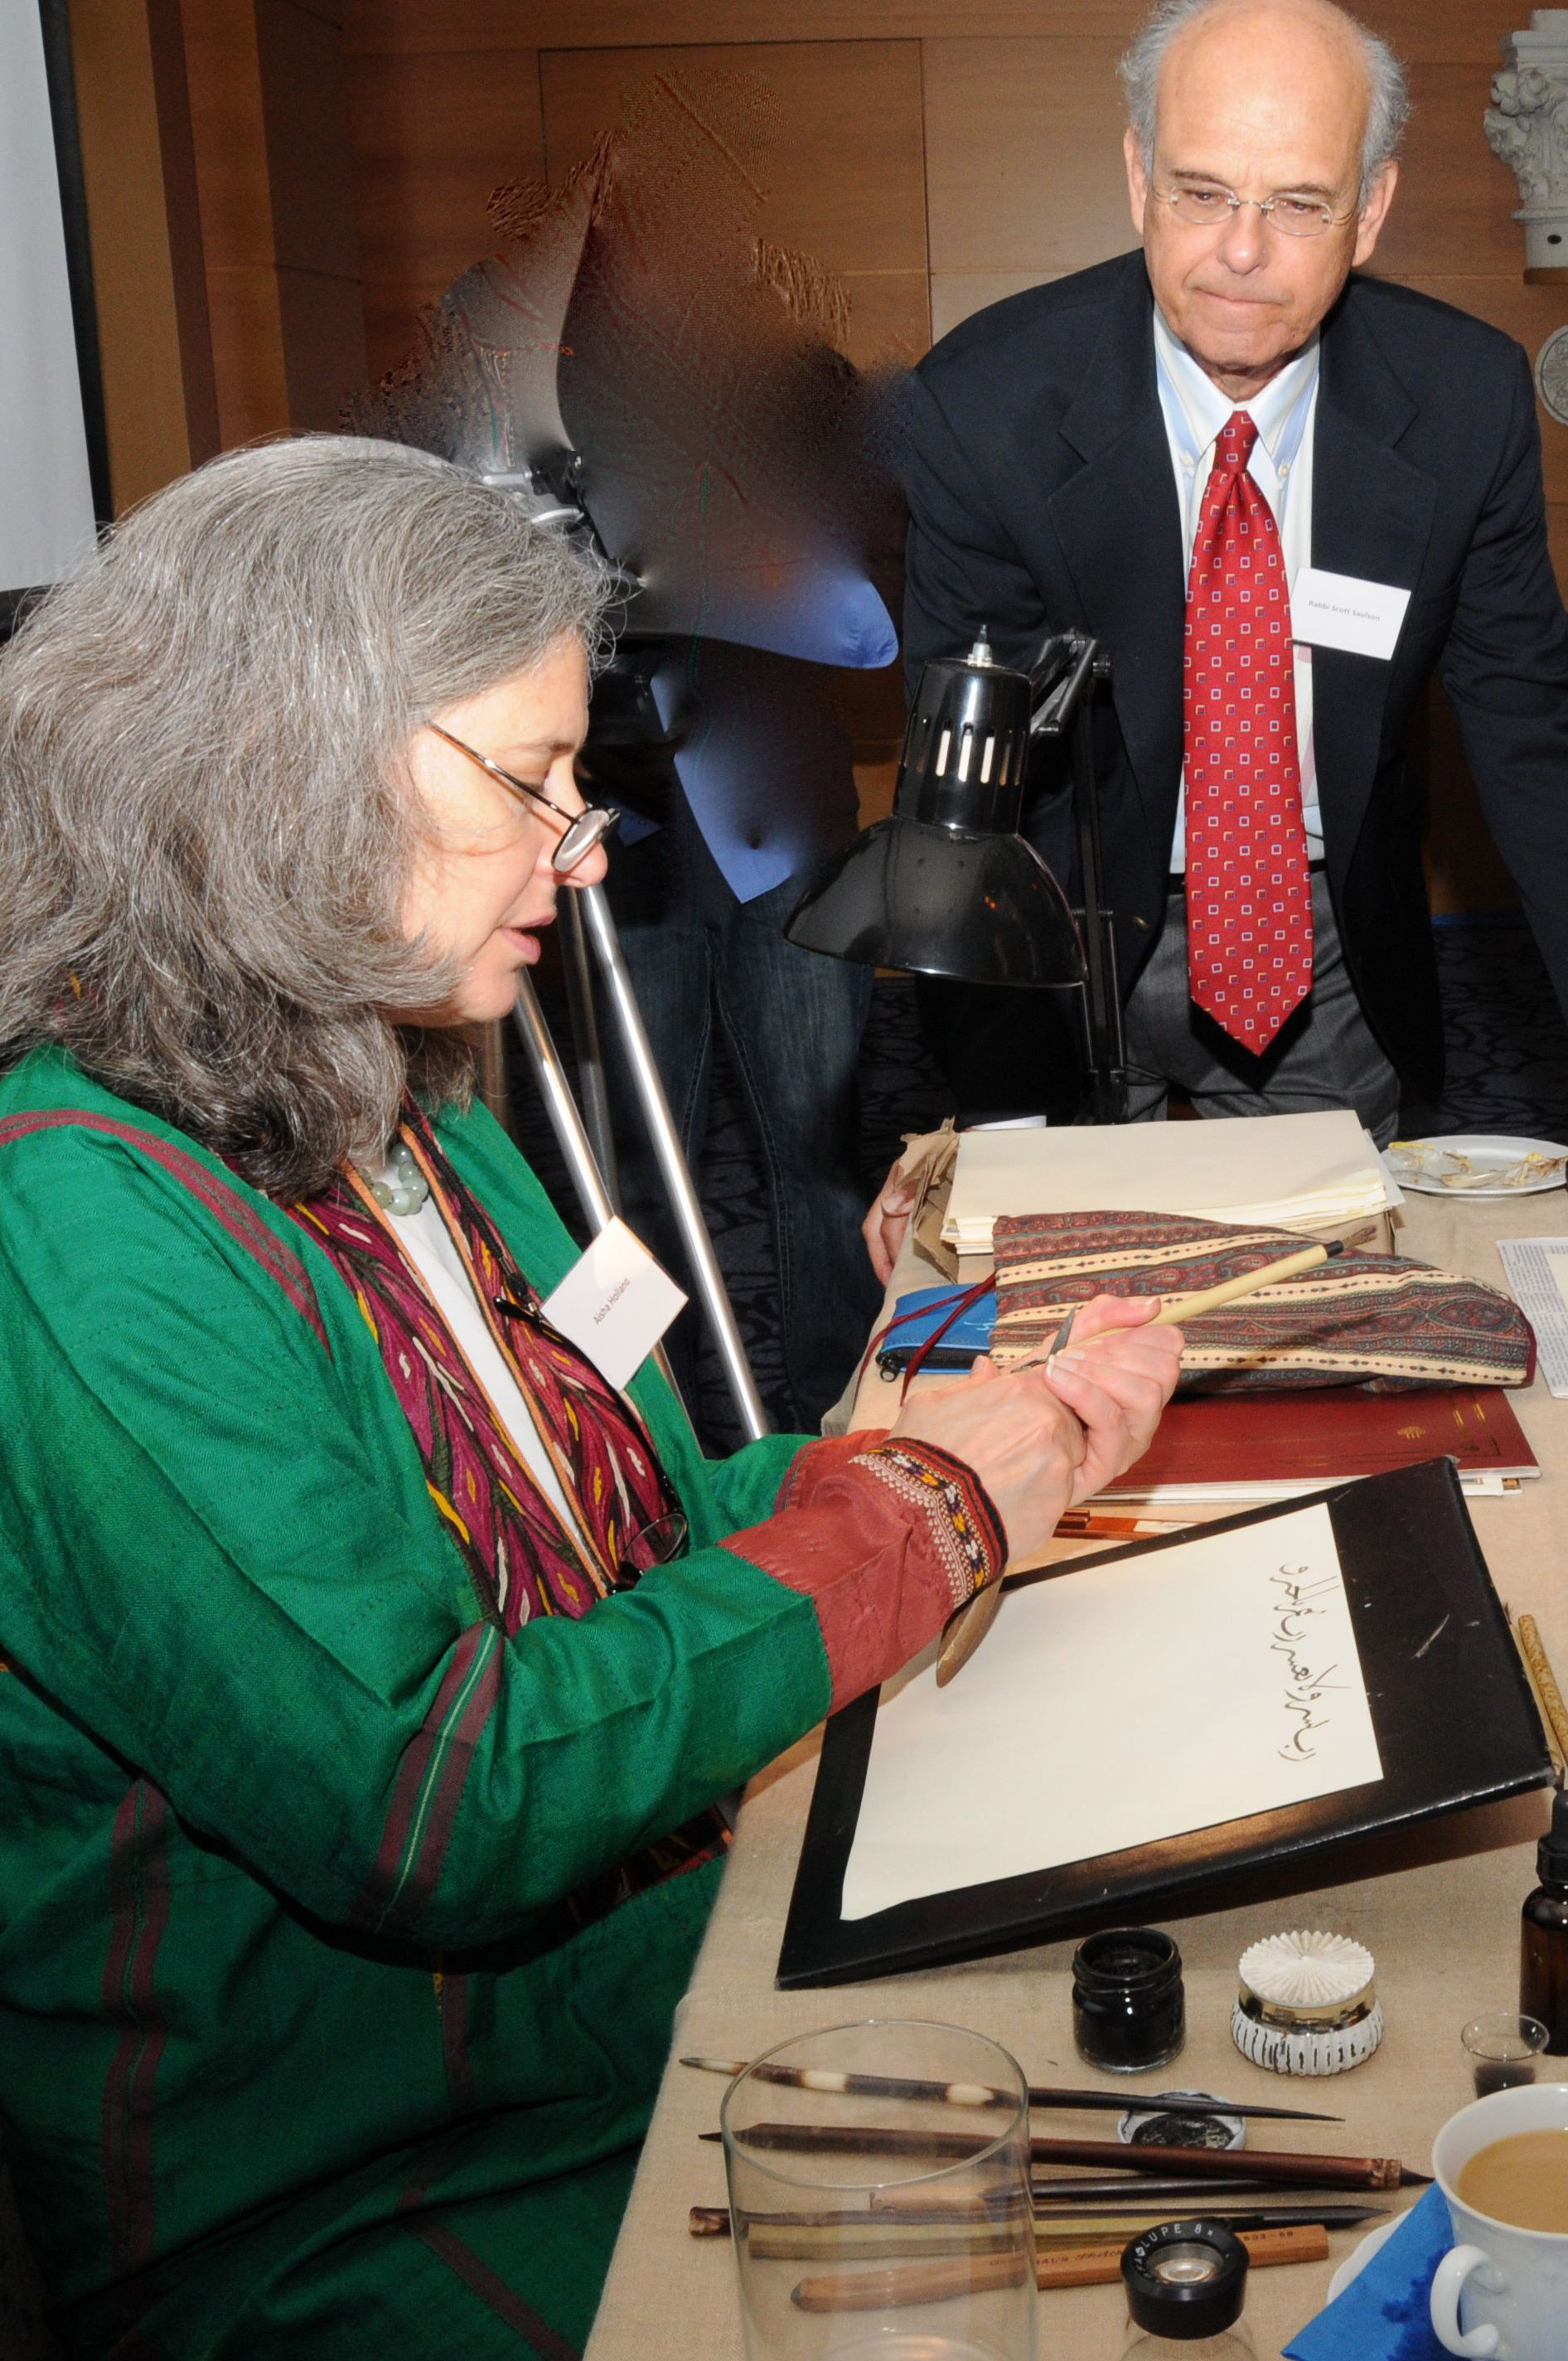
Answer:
(1374, 1321)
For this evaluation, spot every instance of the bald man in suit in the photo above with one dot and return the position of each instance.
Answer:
(1157, 451)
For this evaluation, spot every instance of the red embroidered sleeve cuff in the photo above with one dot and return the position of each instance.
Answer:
(966, 1531)
(886, 1543)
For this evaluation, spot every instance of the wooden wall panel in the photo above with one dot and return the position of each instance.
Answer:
(311, 165)
(845, 168)
(955, 294)
(276, 179)
(415, 25)
(433, 135)
(314, 233)
(434, 132)
(235, 186)
(1424, 31)
(145, 230)
(1023, 155)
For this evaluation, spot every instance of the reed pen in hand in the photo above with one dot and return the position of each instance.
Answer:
(968, 1626)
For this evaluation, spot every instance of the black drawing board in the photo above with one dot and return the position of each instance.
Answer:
(1455, 1723)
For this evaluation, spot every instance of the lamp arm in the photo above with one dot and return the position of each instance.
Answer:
(1059, 674)
(1068, 669)
(1107, 1045)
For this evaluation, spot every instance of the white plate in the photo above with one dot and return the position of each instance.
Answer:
(1355, 2262)
(1419, 1164)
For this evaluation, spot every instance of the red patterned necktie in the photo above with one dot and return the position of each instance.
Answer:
(1249, 888)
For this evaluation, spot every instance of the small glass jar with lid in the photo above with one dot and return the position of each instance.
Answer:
(1129, 2010)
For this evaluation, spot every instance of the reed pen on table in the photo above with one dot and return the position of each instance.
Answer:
(978, 2094)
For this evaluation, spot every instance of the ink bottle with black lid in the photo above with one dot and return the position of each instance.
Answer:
(1543, 1934)
(1185, 2284)
(1129, 2011)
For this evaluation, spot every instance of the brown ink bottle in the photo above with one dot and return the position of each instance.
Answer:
(1543, 1946)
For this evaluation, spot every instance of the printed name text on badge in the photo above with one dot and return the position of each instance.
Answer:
(615, 1303)
(1340, 611)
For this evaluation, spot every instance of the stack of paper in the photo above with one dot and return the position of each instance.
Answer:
(1280, 1172)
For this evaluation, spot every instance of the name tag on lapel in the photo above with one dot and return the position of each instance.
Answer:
(615, 1304)
(1340, 611)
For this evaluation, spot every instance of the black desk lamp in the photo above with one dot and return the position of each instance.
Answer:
(946, 885)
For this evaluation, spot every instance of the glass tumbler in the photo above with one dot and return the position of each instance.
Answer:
(870, 2221)
(1502, 2049)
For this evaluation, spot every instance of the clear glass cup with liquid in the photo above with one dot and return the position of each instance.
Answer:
(851, 2246)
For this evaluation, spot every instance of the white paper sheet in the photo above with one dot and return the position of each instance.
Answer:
(1281, 1169)
(1537, 1271)
(1113, 1707)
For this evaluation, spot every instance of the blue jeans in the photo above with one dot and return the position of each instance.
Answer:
(791, 1022)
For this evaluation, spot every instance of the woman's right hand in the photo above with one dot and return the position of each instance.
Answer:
(1041, 1439)
(1025, 1444)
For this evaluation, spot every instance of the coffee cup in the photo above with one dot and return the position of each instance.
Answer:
(1500, 2292)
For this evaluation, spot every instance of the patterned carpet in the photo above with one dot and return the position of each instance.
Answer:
(1508, 1071)
(1508, 1044)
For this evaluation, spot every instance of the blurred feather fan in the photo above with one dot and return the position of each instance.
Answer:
(641, 354)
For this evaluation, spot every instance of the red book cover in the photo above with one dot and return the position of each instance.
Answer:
(1325, 1432)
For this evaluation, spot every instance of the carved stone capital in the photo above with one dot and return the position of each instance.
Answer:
(1527, 126)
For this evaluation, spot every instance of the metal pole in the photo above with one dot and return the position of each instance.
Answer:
(567, 1126)
(1075, 664)
(703, 1262)
(1108, 1057)
(560, 1105)
(593, 1094)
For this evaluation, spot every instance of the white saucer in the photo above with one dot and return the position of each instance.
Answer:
(1420, 1164)
(1355, 2262)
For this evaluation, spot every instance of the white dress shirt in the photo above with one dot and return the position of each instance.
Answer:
(1285, 413)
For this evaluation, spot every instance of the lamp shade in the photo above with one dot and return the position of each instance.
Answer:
(947, 886)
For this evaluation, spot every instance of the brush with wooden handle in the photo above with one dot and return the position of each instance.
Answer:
(1133, 2158)
(939, 2282)
(840, 2233)
(966, 1627)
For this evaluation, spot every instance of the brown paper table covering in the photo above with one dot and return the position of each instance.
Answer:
(1444, 1926)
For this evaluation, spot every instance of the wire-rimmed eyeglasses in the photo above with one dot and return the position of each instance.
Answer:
(1204, 205)
(581, 830)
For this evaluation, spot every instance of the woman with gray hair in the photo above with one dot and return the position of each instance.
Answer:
(374, 1664)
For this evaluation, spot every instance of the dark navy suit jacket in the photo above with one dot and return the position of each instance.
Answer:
(1041, 495)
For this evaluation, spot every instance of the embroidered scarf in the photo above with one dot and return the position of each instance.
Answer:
(522, 1560)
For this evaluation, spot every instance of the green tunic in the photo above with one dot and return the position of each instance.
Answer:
(246, 1687)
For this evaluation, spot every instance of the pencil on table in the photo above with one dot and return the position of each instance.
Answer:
(867, 2232)
(939, 2282)
(1544, 1681)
